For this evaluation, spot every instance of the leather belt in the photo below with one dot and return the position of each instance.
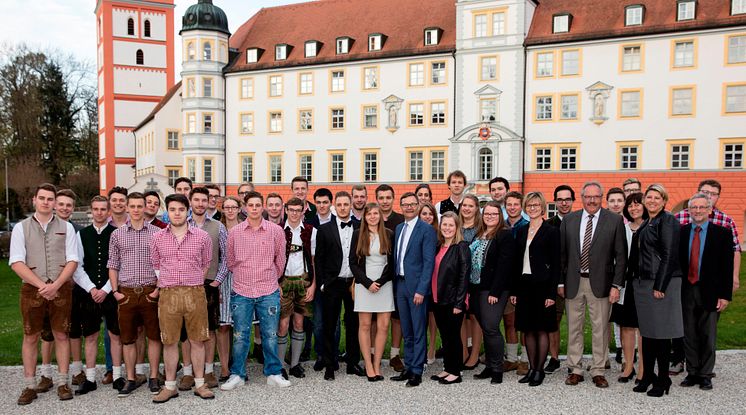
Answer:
(585, 274)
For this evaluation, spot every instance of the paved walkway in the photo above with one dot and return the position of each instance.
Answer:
(355, 395)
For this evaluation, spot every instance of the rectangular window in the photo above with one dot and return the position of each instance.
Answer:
(561, 24)
(685, 10)
(207, 87)
(544, 108)
(437, 165)
(338, 167)
(192, 169)
(247, 88)
(737, 48)
(343, 46)
(630, 104)
(191, 123)
(338, 81)
(438, 113)
(733, 156)
(738, 7)
(416, 165)
(628, 156)
(735, 99)
(306, 83)
(570, 62)
(498, 24)
(275, 86)
(305, 164)
(275, 122)
(480, 25)
(489, 68)
(416, 114)
(633, 16)
(207, 170)
(310, 49)
(281, 52)
(275, 168)
(682, 101)
(569, 107)
(438, 73)
(680, 156)
(374, 42)
(173, 140)
(683, 54)
(632, 58)
(247, 169)
(207, 123)
(416, 74)
(370, 78)
(338, 119)
(544, 64)
(173, 174)
(370, 116)
(252, 55)
(431, 37)
(544, 158)
(247, 123)
(488, 109)
(568, 158)
(370, 167)
(305, 120)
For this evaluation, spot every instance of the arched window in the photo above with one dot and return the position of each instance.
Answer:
(131, 26)
(140, 57)
(191, 54)
(207, 51)
(146, 28)
(485, 164)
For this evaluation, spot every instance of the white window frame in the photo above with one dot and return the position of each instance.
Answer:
(489, 68)
(375, 43)
(569, 110)
(735, 103)
(680, 156)
(370, 115)
(498, 23)
(337, 167)
(568, 157)
(305, 166)
(370, 166)
(306, 83)
(561, 23)
(275, 168)
(338, 82)
(544, 108)
(310, 49)
(575, 62)
(275, 122)
(737, 47)
(738, 7)
(631, 61)
(679, 101)
(416, 114)
(480, 27)
(633, 15)
(337, 119)
(629, 157)
(543, 158)
(281, 52)
(247, 168)
(684, 54)
(431, 37)
(486, 163)
(343, 45)
(438, 116)
(545, 65)
(370, 75)
(275, 85)
(437, 165)
(247, 123)
(252, 55)
(440, 78)
(733, 156)
(627, 105)
(686, 10)
(305, 120)
(417, 77)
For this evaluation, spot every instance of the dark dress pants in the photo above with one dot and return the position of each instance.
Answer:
(449, 325)
(336, 293)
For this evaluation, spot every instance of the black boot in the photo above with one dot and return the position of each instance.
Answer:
(661, 386)
(645, 383)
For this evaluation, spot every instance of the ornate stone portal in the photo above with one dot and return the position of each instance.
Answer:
(599, 94)
(392, 105)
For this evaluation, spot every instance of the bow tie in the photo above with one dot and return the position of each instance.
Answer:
(345, 224)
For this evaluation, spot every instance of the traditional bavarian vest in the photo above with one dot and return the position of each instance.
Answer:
(447, 205)
(305, 236)
(96, 253)
(45, 251)
(212, 227)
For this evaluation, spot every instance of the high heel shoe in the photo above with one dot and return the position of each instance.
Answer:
(660, 387)
(537, 379)
(472, 367)
(644, 384)
(626, 379)
(527, 378)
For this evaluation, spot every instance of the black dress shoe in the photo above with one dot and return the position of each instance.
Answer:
(355, 370)
(472, 367)
(118, 383)
(153, 386)
(706, 384)
(690, 380)
(485, 374)
(437, 378)
(380, 378)
(127, 389)
(626, 379)
(537, 379)
(415, 380)
(329, 374)
(497, 378)
(284, 373)
(85, 387)
(318, 366)
(660, 387)
(528, 376)
(297, 371)
(444, 381)
(403, 376)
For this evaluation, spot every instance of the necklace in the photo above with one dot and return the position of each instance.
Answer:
(532, 230)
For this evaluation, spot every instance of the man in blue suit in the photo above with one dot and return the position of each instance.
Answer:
(415, 245)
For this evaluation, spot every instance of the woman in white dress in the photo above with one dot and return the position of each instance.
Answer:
(371, 262)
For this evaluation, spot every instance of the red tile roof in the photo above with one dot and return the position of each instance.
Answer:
(169, 94)
(601, 19)
(402, 21)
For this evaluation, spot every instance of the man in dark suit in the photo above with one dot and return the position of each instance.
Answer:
(323, 208)
(706, 256)
(333, 243)
(415, 258)
(594, 256)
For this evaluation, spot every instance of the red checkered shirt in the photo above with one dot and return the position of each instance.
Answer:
(256, 258)
(129, 253)
(181, 264)
(718, 218)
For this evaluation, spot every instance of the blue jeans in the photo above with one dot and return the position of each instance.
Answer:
(267, 308)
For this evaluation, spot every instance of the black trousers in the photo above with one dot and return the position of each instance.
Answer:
(489, 316)
(700, 333)
(336, 293)
(449, 325)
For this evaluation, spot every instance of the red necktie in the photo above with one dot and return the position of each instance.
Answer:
(694, 258)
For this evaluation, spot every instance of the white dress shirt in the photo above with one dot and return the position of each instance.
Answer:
(583, 223)
(295, 266)
(345, 237)
(405, 242)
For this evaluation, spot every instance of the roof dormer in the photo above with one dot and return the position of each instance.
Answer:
(311, 48)
(282, 50)
(634, 15)
(432, 36)
(561, 23)
(376, 41)
(344, 43)
(253, 55)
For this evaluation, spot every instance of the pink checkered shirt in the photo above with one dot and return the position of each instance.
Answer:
(256, 258)
(129, 253)
(718, 218)
(181, 264)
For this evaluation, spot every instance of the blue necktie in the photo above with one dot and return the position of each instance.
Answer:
(401, 247)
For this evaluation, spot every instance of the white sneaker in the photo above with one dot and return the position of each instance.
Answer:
(233, 382)
(277, 380)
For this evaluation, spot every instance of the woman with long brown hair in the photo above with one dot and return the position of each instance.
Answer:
(471, 334)
(429, 215)
(372, 265)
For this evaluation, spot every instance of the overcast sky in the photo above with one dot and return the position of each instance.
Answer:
(70, 25)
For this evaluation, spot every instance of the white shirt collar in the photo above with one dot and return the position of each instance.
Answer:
(412, 221)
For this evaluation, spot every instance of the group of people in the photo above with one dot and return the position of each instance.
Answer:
(211, 267)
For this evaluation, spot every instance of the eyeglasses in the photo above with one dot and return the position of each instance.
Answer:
(214, 196)
(533, 206)
(409, 205)
(296, 211)
(243, 193)
(709, 193)
(490, 215)
(567, 200)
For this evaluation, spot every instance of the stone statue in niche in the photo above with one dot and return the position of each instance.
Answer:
(392, 105)
(599, 94)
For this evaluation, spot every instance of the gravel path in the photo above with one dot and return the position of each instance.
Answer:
(355, 395)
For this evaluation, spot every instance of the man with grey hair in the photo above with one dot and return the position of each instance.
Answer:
(594, 256)
(706, 257)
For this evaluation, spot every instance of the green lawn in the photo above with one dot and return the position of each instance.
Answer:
(731, 329)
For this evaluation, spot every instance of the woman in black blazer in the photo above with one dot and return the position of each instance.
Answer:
(534, 285)
(450, 279)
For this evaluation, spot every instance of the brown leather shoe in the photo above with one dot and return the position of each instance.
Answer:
(600, 382)
(186, 383)
(397, 364)
(509, 366)
(44, 385)
(165, 395)
(204, 392)
(64, 393)
(210, 380)
(27, 396)
(522, 369)
(573, 379)
(140, 380)
(108, 378)
(78, 379)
